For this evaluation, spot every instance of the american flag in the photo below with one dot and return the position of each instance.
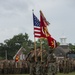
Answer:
(37, 28)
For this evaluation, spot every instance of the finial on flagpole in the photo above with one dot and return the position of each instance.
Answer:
(32, 10)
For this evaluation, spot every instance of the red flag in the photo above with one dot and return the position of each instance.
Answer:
(44, 32)
(52, 42)
(43, 24)
(17, 58)
(44, 19)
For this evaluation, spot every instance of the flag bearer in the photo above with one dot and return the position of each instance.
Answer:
(31, 59)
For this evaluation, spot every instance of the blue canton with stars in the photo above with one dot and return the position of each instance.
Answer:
(36, 21)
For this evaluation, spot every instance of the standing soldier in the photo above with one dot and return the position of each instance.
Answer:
(72, 64)
(31, 59)
(5, 66)
(19, 66)
(38, 64)
(61, 66)
(51, 60)
(44, 62)
(66, 65)
(1, 67)
(11, 66)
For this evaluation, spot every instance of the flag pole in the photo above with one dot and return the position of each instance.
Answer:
(34, 40)
(41, 45)
(35, 48)
(41, 48)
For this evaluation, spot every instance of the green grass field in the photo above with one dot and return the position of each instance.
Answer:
(73, 73)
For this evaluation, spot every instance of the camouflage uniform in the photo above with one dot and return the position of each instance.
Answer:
(5, 66)
(19, 66)
(44, 63)
(11, 67)
(61, 66)
(31, 59)
(38, 64)
(1, 67)
(66, 65)
(24, 67)
(51, 60)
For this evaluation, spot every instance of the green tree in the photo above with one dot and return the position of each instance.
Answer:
(13, 45)
(2, 51)
(72, 47)
(43, 42)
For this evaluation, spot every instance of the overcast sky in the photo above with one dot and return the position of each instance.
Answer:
(16, 17)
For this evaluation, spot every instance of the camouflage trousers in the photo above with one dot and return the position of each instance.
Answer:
(41, 69)
(38, 69)
(51, 69)
(32, 69)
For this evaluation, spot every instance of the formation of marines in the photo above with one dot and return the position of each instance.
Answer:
(66, 65)
(12, 67)
(43, 65)
(49, 65)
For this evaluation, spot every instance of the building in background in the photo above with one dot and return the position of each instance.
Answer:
(63, 49)
(20, 54)
(63, 40)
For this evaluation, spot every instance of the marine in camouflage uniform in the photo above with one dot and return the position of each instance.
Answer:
(44, 62)
(5, 66)
(38, 64)
(66, 65)
(19, 66)
(11, 67)
(51, 60)
(1, 67)
(31, 59)
(61, 66)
